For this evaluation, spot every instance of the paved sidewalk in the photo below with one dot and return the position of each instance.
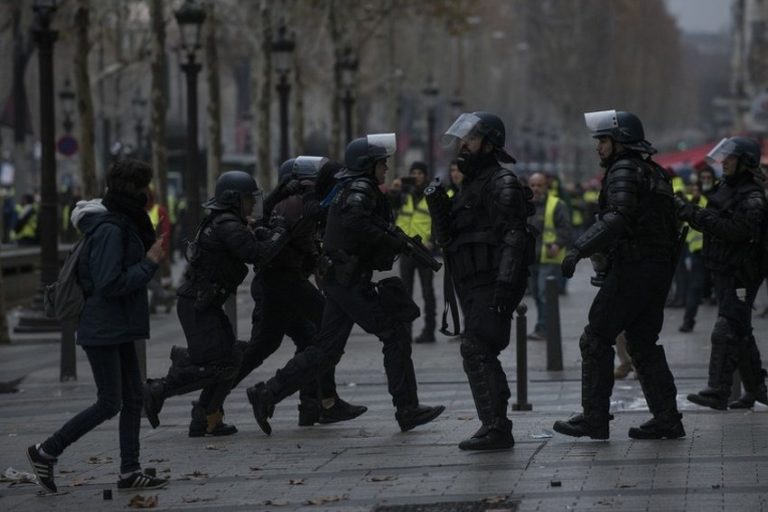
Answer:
(367, 463)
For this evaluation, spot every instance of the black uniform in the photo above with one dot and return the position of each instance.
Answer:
(225, 244)
(732, 224)
(637, 231)
(355, 245)
(286, 303)
(488, 253)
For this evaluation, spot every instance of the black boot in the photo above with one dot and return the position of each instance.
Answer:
(722, 363)
(410, 417)
(660, 392)
(496, 436)
(596, 387)
(583, 426)
(662, 427)
(687, 326)
(208, 425)
(340, 411)
(752, 376)
(152, 392)
(263, 405)
(309, 412)
(425, 337)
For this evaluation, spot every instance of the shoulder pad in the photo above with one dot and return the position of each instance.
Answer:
(361, 194)
(625, 164)
(363, 185)
(227, 217)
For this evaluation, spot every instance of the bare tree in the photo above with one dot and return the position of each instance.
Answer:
(158, 100)
(84, 99)
(214, 97)
(263, 112)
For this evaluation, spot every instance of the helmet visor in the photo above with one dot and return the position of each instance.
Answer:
(308, 166)
(601, 121)
(724, 148)
(381, 145)
(461, 128)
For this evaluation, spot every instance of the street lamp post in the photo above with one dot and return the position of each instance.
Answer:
(430, 93)
(348, 66)
(190, 18)
(67, 98)
(139, 105)
(282, 48)
(34, 319)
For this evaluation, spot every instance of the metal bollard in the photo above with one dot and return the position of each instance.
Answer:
(554, 340)
(230, 308)
(735, 387)
(522, 361)
(68, 364)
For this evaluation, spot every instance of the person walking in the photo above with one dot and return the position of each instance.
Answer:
(636, 234)
(120, 256)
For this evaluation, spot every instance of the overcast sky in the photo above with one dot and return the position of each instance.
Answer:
(701, 15)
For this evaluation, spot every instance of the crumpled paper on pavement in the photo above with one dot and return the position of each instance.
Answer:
(140, 501)
(18, 477)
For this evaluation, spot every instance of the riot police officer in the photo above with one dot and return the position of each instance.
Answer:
(224, 244)
(355, 244)
(733, 224)
(285, 301)
(488, 246)
(636, 233)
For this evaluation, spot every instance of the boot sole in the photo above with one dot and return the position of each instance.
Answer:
(698, 400)
(437, 411)
(568, 431)
(470, 448)
(262, 422)
(636, 433)
(327, 421)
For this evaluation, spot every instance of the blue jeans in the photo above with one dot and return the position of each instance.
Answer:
(118, 383)
(538, 285)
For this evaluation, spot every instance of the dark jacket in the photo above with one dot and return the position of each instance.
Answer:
(114, 272)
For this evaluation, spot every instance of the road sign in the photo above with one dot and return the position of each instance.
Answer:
(67, 145)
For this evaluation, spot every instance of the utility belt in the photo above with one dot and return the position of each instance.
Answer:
(341, 268)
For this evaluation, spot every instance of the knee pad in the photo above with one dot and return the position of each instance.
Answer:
(470, 349)
(591, 345)
(723, 332)
(640, 354)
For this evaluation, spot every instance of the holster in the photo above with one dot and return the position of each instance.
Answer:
(396, 301)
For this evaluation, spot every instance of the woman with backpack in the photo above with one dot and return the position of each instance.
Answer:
(120, 256)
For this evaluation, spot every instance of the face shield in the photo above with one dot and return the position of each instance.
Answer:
(257, 212)
(465, 125)
(307, 167)
(601, 122)
(381, 145)
(721, 151)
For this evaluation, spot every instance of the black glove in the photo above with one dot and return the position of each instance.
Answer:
(685, 211)
(278, 223)
(568, 266)
(503, 297)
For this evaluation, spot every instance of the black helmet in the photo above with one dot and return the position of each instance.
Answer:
(746, 149)
(363, 153)
(230, 188)
(623, 127)
(487, 125)
(285, 171)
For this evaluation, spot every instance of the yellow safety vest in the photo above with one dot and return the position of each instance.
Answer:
(154, 215)
(591, 196)
(29, 231)
(549, 235)
(172, 206)
(695, 239)
(678, 185)
(415, 219)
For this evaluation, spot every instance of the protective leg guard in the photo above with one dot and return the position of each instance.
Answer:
(752, 376)
(722, 363)
(596, 387)
(660, 392)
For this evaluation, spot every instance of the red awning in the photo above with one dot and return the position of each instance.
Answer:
(694, 157)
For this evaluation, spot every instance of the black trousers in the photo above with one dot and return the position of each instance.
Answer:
(346, 306)
(211, 342)
(285, 304)
(631, 300)
(408, 267)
